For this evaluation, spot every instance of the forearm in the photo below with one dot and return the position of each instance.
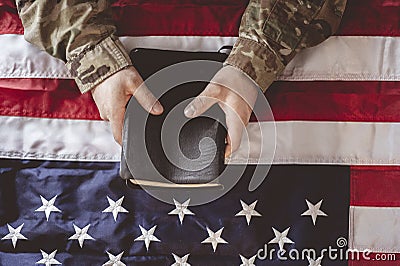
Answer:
(273, 31)
(81, 33)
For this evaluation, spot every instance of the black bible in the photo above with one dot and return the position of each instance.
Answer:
(149, 160)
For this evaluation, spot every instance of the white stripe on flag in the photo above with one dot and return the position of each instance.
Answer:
(57, 139)
(298, 142)
(375, 228)
(340, 58)
(357, 58)
(308, 142)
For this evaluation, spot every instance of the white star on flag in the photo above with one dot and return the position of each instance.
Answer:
(181, 261)
(114, 260)
(314, 262)
(81, 235)
(214, 238)
(281, 238)
(314, 211)
(248, 211)
(115, 207)
(14, 234)
(181, 209)
(147, 236)
(48, 206)
(48, 260)
(248, 262)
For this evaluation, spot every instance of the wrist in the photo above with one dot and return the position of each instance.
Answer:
(92, 66)
(256, 61)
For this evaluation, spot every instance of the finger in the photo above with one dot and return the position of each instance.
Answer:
(235, 127)
(228, 147)
(203, 102)
(148, 101)
(102, 115)
(117, 124)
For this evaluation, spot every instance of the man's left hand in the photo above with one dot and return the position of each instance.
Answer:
(236, 94)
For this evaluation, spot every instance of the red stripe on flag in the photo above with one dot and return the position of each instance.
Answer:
(210, 18)
(218, 18)
(377, 259)
(371, 18)
(48, 99)
(335, 101)
(207, 18)
(33, 84)
(373, 186)
(9, 19)
(314, 101)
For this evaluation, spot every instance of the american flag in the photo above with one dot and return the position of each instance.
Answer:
(335, 181)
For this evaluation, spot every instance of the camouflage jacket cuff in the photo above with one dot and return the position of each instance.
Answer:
(96, 64)
(258, 61)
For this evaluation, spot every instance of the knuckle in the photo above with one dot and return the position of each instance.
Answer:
(215, 90)
(200, 101)
(103, 114)
(147, 106)
(103, 117)
(117, 139)
(133, 81)
(131, 85)
(235, 145)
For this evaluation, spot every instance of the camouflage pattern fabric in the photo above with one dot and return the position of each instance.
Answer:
(81, 33)
(271, 33)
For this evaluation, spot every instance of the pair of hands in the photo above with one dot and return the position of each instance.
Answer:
(230, 88)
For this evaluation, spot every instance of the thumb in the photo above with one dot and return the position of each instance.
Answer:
(147, 100)
(203, 102)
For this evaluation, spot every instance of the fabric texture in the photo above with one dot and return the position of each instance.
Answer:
(271, 33)
(48, 115)
(79, 33)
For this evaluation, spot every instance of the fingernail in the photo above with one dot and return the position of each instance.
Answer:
(190, 111)
(157, 108)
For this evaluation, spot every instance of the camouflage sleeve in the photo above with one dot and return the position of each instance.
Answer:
(81, 33)
(273, 31)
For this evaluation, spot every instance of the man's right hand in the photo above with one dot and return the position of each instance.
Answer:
(112, 95)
